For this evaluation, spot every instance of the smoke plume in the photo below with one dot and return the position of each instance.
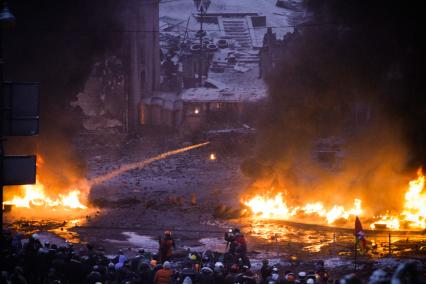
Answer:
(346, 112)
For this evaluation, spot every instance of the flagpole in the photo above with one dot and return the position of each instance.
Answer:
(356, 254)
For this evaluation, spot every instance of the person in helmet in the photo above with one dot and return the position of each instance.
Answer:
(275, 276)
(167, 244)
(265, 270)
(379, 276)
(219, 273)
(238, 244)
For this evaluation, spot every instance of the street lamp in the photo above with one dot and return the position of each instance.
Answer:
(7, 19)
(202, 6)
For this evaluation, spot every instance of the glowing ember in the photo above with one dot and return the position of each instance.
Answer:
(212, 157)
(34, 196)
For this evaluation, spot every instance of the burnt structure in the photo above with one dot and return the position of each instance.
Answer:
(144, 56)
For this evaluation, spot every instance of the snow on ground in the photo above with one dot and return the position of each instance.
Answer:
(276, 17)
(136, 240)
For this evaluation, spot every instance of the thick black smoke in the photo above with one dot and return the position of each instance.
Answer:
(354, 58)
(55, 43)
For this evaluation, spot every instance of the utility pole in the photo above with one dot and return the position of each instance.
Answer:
(19, 116)
(6, 20)
(202, 6)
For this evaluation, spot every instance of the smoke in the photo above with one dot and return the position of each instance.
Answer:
(345, 115)
(55, 43)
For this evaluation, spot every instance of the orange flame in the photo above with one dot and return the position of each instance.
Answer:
(35, 196)
(413, 214)
(275, 207)
(414, 211)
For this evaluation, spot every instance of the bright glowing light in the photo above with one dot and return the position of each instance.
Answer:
(212, 157)
(34, 196)
(275, 207)
(413, 214)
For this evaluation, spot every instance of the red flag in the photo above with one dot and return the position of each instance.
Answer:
(360, 240)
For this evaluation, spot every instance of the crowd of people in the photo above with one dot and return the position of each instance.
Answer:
(35, 262)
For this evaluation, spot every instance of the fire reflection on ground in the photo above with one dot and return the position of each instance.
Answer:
(288, 238)
(61, 227)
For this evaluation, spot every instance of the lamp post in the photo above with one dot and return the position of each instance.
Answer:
(6, 20)
(202, 6)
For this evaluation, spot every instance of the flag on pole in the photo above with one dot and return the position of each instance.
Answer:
(360, 240)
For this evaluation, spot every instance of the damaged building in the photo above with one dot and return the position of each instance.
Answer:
(209, 80)
(179, 70)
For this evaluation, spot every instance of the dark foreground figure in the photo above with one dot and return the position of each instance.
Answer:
(35, 262)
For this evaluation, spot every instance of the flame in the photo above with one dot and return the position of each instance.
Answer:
(388, 221)
(275, 207)
(413, 214)
(34, 196)
(414, 211)
(212, 157)
(415, 202)
(269, 208)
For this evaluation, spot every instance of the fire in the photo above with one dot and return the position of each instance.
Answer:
(269, 208)
(414, 211)
(34, 196)
(415, 202)
(386, 221)
(412, 215)
(266, 207)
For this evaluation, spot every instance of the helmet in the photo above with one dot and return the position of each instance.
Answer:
(167, 265)
(206, 269)
(350, 279)
(379, 276)
(218, 265)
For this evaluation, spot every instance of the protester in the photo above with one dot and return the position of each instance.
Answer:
(48, 264)
(166, 246)
(265, 271)
(164, 275)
